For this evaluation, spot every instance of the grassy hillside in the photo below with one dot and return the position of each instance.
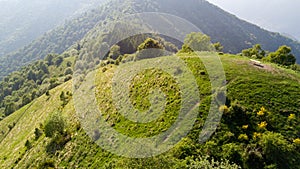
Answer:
(260, 122)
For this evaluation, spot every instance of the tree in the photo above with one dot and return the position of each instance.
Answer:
(114, 52)
(255, 52)
(9, 108)
(37, 133)
(59, 60)
(150, 48)
(218, 47)
(282, 56)
(68, 71)
(31, 75)
(197, 41)
(43, 67)
(185, 49)
(150, 43)
(49, 59)
(54, 125)
(26, 99)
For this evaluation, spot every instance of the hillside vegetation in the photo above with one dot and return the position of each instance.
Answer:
(259, 125)
(56, 40)
(259, 128)
(233, 33)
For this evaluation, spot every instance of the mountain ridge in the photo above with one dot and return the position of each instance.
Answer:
(233, 33)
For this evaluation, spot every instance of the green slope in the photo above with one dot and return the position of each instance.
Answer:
(276, 89)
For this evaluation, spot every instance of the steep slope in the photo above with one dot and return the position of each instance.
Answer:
(23, 21)
(234, 34)
(54, 41)
(249, 89)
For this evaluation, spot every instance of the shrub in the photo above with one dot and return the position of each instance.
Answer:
(206, 163)
(28, 145)
(54, 125)
(37, 133)
(254, 52)
(67, 78)
(68, 71)
(277, 150)
(197, 41)
(282, 56)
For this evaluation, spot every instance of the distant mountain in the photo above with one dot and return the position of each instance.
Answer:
(55, 41)
(233, 33)
(289, 36)
(22, 21)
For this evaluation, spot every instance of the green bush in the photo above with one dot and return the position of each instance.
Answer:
(54, 125)
(197, 41)
(282, 56)
(206, 163)
(277, 150)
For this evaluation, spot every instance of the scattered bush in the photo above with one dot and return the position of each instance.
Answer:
(54, 125)
(282, 56)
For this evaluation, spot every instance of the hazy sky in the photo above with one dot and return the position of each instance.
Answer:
(275, 15)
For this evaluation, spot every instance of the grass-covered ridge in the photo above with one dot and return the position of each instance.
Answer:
(260, 121)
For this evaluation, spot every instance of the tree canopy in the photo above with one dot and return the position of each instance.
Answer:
(197, 41)
(54, 125)
(282, 56)
(255, 52)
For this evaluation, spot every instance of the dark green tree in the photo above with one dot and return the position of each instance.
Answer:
(49, 59)
(114, 52)
(54, 125)
(9, 108)
(26, 99)
(31, 75)
(43, 67)
(150, 48)
(59, 60)
(150, 43)
(68, 71)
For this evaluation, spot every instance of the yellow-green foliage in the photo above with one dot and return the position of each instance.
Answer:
(262, 125)
(297, 141)
(243, 137)
(292, 117)
(261, 112)
(239, 130)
